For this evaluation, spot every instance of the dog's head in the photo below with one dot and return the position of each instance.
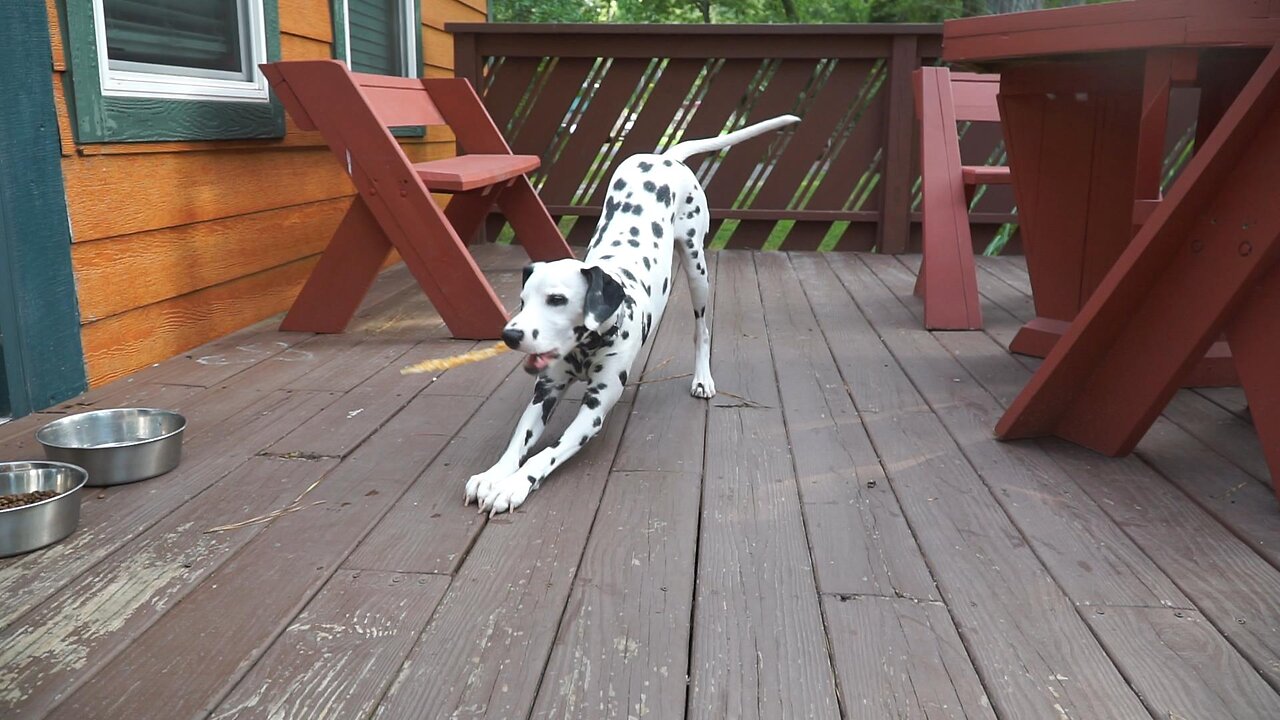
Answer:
(560, 301)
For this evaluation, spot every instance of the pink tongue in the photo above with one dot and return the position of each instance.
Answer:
(538, 362)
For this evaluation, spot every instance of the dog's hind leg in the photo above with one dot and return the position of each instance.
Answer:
(691, 225)
(546, 394)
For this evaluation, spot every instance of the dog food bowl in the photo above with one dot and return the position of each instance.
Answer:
(27, 527)
(117, 446)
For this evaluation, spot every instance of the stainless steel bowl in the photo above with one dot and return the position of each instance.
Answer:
(117, 446)
(26, 528)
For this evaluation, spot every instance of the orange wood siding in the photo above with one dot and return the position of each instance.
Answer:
(177, 243)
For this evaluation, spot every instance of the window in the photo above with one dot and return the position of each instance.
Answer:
(181, 48)
(378, 36)
(171, 69)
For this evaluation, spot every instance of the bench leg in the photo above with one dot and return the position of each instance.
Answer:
(466, 211)
(1254, 335)
(343, 275)
(535, 230)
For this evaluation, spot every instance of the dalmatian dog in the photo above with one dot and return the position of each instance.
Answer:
(588, 319)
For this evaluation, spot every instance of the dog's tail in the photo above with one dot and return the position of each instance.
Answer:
(688, 148)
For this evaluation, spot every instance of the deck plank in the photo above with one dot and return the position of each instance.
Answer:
(1034, 654)
(623, 644)
(338, 657)
(225, 432)
(66, 638)
(189, 659)
(878, 593)
(1231, 585)
(483, 653)
(901, 658)
(758, 647)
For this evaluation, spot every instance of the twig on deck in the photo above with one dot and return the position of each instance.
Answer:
(290, 508)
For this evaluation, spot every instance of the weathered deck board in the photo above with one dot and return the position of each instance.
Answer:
(708, 559)
(758, 649)
(338, 657)
(1032, 651)
(623, 644)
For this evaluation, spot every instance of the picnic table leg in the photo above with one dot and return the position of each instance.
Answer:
(1073, 146)
(1186, 277)
(342, 277)
(1254, 335)
(466, 210)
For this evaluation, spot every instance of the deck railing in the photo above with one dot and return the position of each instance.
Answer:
(583, 97)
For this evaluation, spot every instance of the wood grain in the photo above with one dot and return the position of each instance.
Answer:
(294, 557)
(1020, 629)
(337, 658)
(901, 658)
(308, 18)
(121, 194)
(120, 344)
(53, 648)
(435, 13)
(298, 47)
(187, 258)
(753, 557)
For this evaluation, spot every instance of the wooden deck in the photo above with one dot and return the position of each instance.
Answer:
(836, 534)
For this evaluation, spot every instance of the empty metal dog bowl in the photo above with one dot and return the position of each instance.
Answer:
(116, 446)
(27, 527)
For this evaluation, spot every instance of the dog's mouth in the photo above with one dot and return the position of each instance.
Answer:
(535, 363)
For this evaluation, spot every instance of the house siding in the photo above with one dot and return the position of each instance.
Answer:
(177, 243)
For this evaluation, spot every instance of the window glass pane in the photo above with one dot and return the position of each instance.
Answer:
(202, 34)
(377, 29)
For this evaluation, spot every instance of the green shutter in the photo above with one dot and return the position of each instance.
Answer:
(376, 32)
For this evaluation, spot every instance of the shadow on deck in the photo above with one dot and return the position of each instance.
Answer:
(837, 533)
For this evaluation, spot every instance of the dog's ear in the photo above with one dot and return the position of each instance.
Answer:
(528, 270)
(604, 297)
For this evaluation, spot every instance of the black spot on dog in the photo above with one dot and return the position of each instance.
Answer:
(634, 243)
(690, 216)
(625, 334)
(644, 166)
(646, 263)
(541, 390)
(534, 334)
(689, 244)
(664, 285)
(615, 243)
(627, 274)
(635, 232)
(597, 422)
(637, 210)
(583, 440)
(663, 195)
(620, 184)
(700, 270)
(666, 163)
(626, 208)
(657, 230)
(689, 199)
(532, 479)
(622, 377)
(548, 407)
(693, 232)
(697, 210)
(528, 435)
(650, 186)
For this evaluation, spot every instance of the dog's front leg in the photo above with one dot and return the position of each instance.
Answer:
(546, 394)
(510, 492)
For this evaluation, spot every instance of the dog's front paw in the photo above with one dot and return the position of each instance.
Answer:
(703, 388)
(479, 484)
(504, 495)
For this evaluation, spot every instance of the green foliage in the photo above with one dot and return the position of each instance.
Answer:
(757, 11)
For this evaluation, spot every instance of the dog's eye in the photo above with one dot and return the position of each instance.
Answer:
(557, 300)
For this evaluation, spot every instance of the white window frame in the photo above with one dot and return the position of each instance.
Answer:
(174, 84)
(408, 36)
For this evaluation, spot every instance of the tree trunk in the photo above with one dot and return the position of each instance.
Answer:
(704, 7)
(789, 9)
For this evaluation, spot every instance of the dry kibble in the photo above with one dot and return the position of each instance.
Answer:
(18, 500)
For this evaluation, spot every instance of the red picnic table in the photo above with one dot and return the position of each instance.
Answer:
(1125, 317)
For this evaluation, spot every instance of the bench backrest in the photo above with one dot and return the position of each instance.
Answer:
(398, 101)
(973, 95)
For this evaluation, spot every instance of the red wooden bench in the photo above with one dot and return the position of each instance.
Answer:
(948, 281)
(394, 208)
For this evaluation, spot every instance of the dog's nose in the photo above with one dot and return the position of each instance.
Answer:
(512, 337)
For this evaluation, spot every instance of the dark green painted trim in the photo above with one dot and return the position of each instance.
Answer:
(115, 119)
(338, 12)
(43, 363)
